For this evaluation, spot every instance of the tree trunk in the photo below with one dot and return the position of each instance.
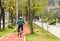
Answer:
(3, 16)
(0, 22)
(11, 19)
(26, 14)
(12, 23)
(0, 14)
(3, 20)
(30, 19)
(31, 22)
(28, 10)
(31, 25)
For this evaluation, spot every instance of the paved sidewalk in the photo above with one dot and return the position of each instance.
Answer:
(15, 37)
(55, 30)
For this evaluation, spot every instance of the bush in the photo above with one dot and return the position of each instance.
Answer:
(52, 21)
(10, 26)
(44, 20)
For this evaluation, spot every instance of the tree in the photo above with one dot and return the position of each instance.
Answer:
(22, 7)
(11, 8)
(3, 13)
(3, 16)
(30, 17)
(0, 14)
(28, 10)
(35, 6)
(58, 2)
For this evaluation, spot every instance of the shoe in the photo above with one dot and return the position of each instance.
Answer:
(18, 34)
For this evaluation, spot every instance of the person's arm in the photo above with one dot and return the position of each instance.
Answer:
(17, 22)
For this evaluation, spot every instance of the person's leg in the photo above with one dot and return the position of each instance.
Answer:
(18, 29)
(22, 28)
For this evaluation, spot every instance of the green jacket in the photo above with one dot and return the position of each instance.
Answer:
(20, 22)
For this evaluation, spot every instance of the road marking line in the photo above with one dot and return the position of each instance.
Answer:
(10, 40)
(24, 38)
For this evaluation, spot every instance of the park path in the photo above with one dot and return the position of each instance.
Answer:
(15, 37)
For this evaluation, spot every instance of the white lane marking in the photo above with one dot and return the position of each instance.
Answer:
(24, 38)
(10, 40)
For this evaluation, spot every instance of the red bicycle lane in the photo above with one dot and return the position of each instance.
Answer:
(15, 37)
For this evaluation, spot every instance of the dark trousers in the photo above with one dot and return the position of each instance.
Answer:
(20, 27)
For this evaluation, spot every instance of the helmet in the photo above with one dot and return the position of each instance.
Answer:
(21, 17)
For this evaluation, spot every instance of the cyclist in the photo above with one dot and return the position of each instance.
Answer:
(20, 23)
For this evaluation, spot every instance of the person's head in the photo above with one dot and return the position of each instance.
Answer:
(21, 18)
